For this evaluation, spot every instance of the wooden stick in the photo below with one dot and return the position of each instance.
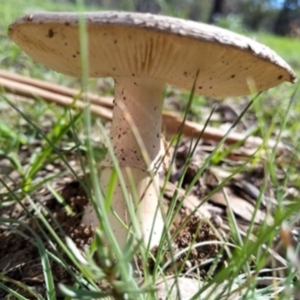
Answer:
(28, 91)
(101, 106)
(192, 129)
(57, 89)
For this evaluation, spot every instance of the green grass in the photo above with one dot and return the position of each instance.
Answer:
(287, 47)
(276, 111)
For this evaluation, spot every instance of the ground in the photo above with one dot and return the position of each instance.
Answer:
(19, 254)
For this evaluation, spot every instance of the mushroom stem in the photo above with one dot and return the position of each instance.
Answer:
(135, 138)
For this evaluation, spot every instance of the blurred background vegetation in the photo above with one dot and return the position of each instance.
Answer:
(281, 17)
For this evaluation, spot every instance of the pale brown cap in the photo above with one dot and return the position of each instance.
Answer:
(172, 50)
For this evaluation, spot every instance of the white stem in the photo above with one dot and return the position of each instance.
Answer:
(135, 135)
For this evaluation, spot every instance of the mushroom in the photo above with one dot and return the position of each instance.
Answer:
(143, 52)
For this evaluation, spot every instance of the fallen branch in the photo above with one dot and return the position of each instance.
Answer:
(57, 89)
(102, 107)
(28, 91)
(192, 129)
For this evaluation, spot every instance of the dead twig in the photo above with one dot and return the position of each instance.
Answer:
(25, 90)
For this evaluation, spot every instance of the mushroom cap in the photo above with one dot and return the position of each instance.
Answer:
(124, 44)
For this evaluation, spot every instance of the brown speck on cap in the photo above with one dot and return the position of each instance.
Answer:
(50, 33)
